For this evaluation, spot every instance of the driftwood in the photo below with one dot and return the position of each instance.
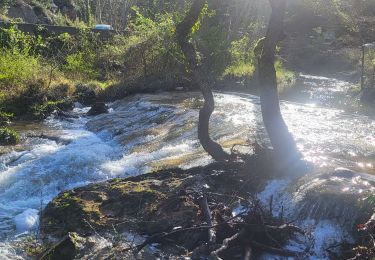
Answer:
(248, 232)
(203, 203)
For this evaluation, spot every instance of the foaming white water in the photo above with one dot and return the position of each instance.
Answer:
(151, 132)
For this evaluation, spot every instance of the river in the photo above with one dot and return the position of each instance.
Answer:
(148, 132)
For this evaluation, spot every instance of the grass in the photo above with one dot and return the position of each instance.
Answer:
(239, 70)
(285, 77)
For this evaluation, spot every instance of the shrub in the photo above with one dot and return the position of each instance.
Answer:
(86, 93)
(81, 65)
(8, 136)
(61, 90)
(17, 68)
(285, 77)
(5, 118)
(243, 60)
(20, 102)
(44, 110)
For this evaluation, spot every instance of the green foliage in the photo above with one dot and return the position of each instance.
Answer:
(4, 4)
(17, 68)
(149, 49)
(285, 77)
(8, 136)
(80, 65)
(242, 59)
(44, 110)
(5, 118)
(206, 12)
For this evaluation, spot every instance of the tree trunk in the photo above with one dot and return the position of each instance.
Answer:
(183, 31)
(281, 140)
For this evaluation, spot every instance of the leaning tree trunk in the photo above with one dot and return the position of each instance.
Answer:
(281, 140)
(183, 31)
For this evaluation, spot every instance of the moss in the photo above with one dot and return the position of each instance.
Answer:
(149, 203)
(8, 136)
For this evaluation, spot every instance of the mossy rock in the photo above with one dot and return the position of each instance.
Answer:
(137, 200)
(8, 136)
(147, 204)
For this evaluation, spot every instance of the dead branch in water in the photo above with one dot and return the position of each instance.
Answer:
(251, 232)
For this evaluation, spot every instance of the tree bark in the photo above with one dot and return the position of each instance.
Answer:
(281, 140)
(183, 31)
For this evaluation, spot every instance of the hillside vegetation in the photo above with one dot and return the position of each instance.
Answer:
(39, 73)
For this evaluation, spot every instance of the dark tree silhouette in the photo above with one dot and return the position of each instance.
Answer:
(183, 31)
(281, 140)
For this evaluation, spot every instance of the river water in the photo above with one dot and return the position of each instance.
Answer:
(150, 132)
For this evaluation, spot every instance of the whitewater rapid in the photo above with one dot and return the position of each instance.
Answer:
(144, 133)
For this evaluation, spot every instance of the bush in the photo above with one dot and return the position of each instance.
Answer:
(285, 77)
(243, 59)
(17, 69)
(61, 90)
(8, 136)
(20, 102)
(81, 65)
(44, 110)
(86, 93)
(5, 118)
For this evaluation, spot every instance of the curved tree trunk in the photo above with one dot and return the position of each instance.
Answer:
(281, 140)
(183, 31)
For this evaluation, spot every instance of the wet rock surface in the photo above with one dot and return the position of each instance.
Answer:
(97, 109)
(66, 249)
(342, 196)
(147, 204)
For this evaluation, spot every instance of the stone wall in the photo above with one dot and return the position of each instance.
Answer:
(56, 30)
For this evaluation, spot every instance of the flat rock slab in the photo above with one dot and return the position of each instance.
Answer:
(146, 204)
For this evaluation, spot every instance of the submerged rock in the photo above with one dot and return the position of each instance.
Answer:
(97, 109)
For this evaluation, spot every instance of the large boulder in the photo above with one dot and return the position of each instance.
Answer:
(22, 10)
(146, 204)
(67, 8)
(29, 13)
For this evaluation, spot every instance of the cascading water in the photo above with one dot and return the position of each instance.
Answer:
(148, 132)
